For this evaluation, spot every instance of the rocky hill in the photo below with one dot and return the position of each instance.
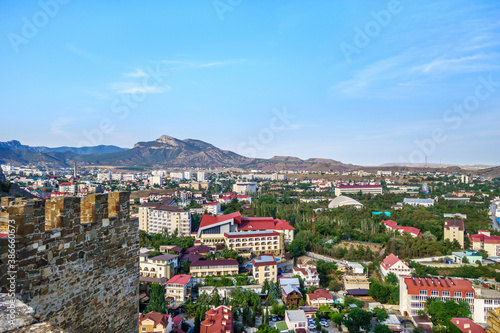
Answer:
(163, 152)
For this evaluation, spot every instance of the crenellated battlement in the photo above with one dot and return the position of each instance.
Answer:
(73, 255)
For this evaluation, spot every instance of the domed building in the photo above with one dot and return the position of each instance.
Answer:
(341, 201)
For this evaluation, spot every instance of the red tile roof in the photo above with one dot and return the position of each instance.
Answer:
(223, 262)
(218, 320)
(466, 325)
(389, 261)
(249, 234)
(180, 279)
(263, 223)
(156, 317)
(414, 285)
(485, 238)
(320, 293)
(454, 223)
(209, 220)
(211, 204)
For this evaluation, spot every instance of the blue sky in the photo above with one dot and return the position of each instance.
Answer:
(363, 82)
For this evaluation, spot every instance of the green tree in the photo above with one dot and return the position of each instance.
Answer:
(336, 317)
(156, 298)
(358, 319)
(215, 299)
(381, 314)
(441, 312)
(197, 322)
(382, 329)
(297, 247)
(391, 278)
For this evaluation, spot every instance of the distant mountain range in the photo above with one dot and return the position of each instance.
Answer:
(169, 152)
(102, 149)
(166, 151)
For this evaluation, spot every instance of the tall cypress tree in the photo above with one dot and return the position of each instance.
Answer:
(197, 322)
(157, 298)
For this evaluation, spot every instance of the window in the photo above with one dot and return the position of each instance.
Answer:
(446, 293)
(434, 293)
(423, 292)
(458, 294)
(469, 294)
(144, 329)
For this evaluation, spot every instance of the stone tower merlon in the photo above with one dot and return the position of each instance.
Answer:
(76, 261)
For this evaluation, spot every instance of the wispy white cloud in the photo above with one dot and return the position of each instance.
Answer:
(135, 88)
(472, 63)
(138, 73)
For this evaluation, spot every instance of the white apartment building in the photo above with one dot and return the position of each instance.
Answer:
(364, 189)
(245, 187)
(177, 287)
(155, 180)
(117, 176)
(170, 218)
(413, 293)
(418, 202)
(159, 268)
(308, 273)
(176, 175)
(188, 175)
(155, 217)
(212, 208)
(200, 176)
(392, 264)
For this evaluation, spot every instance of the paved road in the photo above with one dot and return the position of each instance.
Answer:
(493, 209)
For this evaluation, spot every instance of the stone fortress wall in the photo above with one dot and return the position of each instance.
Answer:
(77, 260)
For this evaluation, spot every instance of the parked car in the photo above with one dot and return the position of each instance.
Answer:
(274, 318)
(323, 323)
(311, 326)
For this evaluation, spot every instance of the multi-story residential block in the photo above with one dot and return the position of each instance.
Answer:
(156, 217)
(155, 180)
(155, 322)
(212, 208)
(200, 176)
(418, 202)
(157, 269)
(484, 241)
(267, 223)
(218, 320)
(267, 241)
(176, 175)
(296, 319)
(454, 231)
(392, 264)
(177, 288)
(414, 292)
(264, 268)
(364, 189)
(318, 298)
(202, 268)
(213, 228)
(245, 187)
(308, 273)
